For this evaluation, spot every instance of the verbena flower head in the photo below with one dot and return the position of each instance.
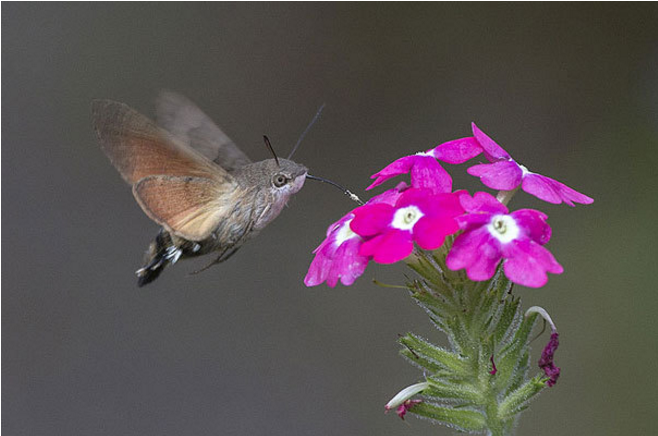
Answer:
(337, 257)
(425, 171)
(491, 234)
(418, 215)
(506, 174)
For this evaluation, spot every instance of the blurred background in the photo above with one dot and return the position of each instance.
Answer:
(570, 90)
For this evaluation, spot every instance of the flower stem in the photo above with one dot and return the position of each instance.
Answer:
(479, 384)
(505, 196)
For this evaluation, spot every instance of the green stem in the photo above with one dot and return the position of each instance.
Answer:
(484, 323)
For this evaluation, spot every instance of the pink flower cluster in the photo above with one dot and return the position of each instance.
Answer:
(389, 225)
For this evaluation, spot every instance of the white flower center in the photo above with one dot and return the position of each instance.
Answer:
(503, 228)
(406, 218)
(345, 233)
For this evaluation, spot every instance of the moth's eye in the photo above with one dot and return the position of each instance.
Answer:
(279, 180)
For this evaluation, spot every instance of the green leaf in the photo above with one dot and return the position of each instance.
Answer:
(517, 400)
(437, 303)
(435, 354)
(421, 361)
(514, 353)
(465, 420)
(508, 313)
(519, 373)
(440, 389)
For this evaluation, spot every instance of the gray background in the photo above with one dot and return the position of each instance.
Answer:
(570, 90)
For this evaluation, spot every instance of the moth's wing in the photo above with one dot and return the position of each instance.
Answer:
(190, 207)
(184, 119)
(138, 148)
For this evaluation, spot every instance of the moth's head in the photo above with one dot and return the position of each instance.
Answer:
(286, 177)
(283, 178)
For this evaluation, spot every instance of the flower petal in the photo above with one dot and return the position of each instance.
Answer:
(426, 172)
(533, 224)
(395, 168)
(430, 233)
(318, 271)
(527, 263)
(388, 247)
(348, 263)
(431, 203)
(504, 175)
(492, 151)
(457, 151)
(482, 202)
(371, 219)
(552, 191)
(390, 196)
(333, 263)
(476, 251)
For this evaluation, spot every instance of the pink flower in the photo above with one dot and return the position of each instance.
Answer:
(506, 174)
(491, 234)
(419, 215)
(425, 171)
(337, 257)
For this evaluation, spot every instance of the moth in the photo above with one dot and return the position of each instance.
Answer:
(191, 179)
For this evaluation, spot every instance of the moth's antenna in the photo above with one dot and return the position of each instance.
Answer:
(299, 141)
(346, 191)
(269, 147)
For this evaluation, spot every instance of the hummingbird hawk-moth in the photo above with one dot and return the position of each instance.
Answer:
(191, 179)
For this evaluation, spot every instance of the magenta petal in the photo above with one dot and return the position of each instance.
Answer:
(541, 188)
(442, 204)
(348, 263)
(552, 191)
(473, 220)
(428, 173)
(457, 151)
(390, 196)
(528, 263)
(338, 224)
(432, 203)
(533, 224)
(430, 233)
(504, 175)
(388, 247)
(318, 271)
(333, 263)
(492, 151)
(395, 168)
(482, 202)
(476, 251)
(371, 219)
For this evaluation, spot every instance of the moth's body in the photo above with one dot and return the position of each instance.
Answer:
(207, 195)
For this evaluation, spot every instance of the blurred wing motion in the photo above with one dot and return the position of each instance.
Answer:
(191, 207)
(175, 185)
(186, 121)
